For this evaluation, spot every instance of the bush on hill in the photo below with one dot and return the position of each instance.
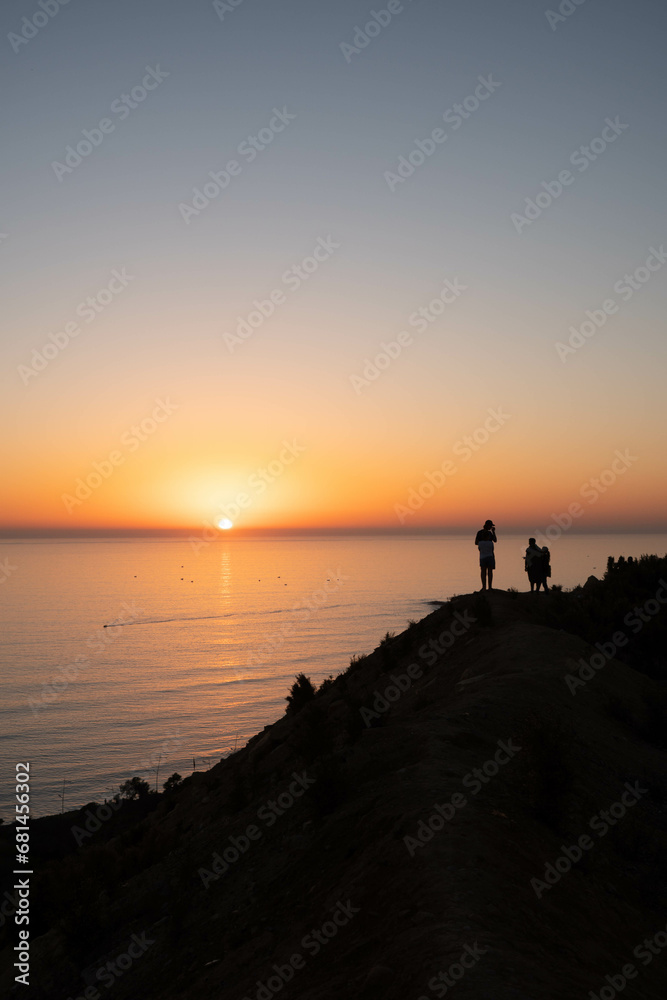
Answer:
(301, 692)
(625, 600)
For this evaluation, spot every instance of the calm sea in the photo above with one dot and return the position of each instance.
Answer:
(201, 649)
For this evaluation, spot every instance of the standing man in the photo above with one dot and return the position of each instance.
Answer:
(484, 540)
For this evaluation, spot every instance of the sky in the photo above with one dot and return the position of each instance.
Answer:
(296, 265)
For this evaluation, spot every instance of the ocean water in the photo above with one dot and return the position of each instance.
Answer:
(202, 648)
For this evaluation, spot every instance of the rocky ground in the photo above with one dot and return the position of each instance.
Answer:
(447, 814)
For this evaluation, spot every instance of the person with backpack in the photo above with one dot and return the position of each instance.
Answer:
(536, 563)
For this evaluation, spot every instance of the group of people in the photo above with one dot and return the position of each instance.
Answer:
(537, 560)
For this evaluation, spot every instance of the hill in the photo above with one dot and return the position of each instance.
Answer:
(480, 803)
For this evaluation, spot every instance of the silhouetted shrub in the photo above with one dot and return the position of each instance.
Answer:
(173, 782)
(356, 661)
(135, 788)
(301, 692)
(326, 684)
(617, 602)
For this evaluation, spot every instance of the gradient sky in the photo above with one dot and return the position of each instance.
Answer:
(360, 448)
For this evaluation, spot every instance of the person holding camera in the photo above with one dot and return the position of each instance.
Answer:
(484, 540)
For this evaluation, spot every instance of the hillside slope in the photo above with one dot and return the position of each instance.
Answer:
(346, 879)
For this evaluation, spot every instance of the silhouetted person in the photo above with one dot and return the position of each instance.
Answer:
(536, 561)
(484, 540)
(545, 568)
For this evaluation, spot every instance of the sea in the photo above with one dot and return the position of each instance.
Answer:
(124, 657)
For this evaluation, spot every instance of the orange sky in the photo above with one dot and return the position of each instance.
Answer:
(355, 462)
(372, 326)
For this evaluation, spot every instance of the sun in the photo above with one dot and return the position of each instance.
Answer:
(225, 524)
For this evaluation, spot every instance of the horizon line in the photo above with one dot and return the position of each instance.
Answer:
(17, 533)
